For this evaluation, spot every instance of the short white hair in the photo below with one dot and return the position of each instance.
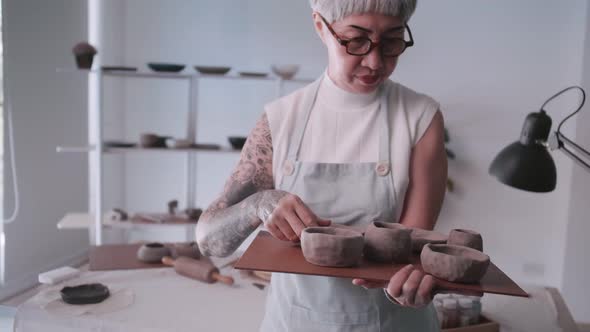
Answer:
(334, 10)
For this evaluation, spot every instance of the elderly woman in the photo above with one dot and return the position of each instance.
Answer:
(350, 148)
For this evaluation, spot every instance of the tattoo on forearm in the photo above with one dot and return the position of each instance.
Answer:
(234, 215)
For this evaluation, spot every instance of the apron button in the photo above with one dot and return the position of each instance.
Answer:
(288, 168)
(382, 168)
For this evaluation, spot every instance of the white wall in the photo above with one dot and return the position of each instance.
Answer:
(49, 110)
(576, 271)
(488, 63)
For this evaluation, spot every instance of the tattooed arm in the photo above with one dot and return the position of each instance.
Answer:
(235, 214)
(249, 199)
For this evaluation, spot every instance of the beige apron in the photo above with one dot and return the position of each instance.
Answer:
(351, 194)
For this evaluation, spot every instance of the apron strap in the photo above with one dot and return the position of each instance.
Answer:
(384, 163)
(309, 98)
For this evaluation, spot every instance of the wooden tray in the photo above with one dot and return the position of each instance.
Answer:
(269, 254)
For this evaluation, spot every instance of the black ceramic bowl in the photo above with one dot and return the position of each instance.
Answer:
(85, 294)
(165, 67)
(237, 142)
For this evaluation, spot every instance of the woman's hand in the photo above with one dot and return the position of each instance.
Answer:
(408, 286)
(285, 215)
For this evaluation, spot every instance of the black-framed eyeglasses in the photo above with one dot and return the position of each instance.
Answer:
(390, 47)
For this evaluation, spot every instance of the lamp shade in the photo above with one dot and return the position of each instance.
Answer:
(526, 164)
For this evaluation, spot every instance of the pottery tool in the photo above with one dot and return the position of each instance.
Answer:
(197, 269)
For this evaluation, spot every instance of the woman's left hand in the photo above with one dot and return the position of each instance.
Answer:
(408, 286)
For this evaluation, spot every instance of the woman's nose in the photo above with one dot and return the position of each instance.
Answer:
(374, 59)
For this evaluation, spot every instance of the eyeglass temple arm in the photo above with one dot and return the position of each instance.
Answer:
(411, 41)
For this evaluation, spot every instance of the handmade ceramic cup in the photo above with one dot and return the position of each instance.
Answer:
(421, 237)
(454, 263)
(467, 238)
(388, 242)
(332, 246)
(152, 252)
(190, 249)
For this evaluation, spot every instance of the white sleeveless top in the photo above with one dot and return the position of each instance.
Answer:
(343, 128)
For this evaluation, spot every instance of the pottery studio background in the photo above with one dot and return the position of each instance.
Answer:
(487, 63)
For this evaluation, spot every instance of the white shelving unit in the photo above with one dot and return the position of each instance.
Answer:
(96, 152)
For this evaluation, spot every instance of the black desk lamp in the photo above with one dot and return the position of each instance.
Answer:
(526, 164)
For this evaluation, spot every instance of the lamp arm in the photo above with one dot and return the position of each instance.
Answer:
(562, 141)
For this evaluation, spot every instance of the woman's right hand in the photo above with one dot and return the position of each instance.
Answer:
(285, 215)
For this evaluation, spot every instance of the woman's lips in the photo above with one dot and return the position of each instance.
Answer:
(369, 79)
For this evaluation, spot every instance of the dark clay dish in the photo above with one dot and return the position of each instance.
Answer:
(252, 74)
(388, 242)
(454, 263)
(119, 144)
(85, 294)
(332, 246)
(165, 67)
(118, 68)
(152, 252)
(421, 237)
(212, 70)
(467, 238)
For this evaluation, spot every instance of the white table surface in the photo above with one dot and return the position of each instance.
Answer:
(163, 301)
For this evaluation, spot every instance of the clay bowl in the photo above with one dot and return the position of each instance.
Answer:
(285, 72)
(388, 242)
(421, 237)
(190, 249)
(454, 263)
(332, 246)
(149, 140)
(152, 252)
(212, 70)
(165, 67)
(467, 238)
(237, 142)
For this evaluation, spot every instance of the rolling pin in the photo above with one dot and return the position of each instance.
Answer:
(197, 269)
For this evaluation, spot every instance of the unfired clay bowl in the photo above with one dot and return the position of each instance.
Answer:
(149, 140)
(421, 237)
(190, 249)
(454, 263)
(467, 238)
(152, 252)
(285, 72)
(332, 246)
(388, 242)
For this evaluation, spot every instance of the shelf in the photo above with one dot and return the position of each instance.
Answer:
(77, 220)
(169, 150)
(109, 150)
(181, 75)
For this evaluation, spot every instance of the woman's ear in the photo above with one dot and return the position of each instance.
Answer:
(319, 26)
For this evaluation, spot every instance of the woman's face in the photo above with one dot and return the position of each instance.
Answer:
(359, 74)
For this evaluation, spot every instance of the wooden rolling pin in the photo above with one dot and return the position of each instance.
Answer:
(197, 269)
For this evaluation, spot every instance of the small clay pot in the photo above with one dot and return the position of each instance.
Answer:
(332, 246)
(149, 140)
(421, 237)
(190, 249)
(467, 238)
(454, 263)
(388, 242)
(84, 54)
(152, 252)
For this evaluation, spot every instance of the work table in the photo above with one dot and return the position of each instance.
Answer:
(162, 301)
